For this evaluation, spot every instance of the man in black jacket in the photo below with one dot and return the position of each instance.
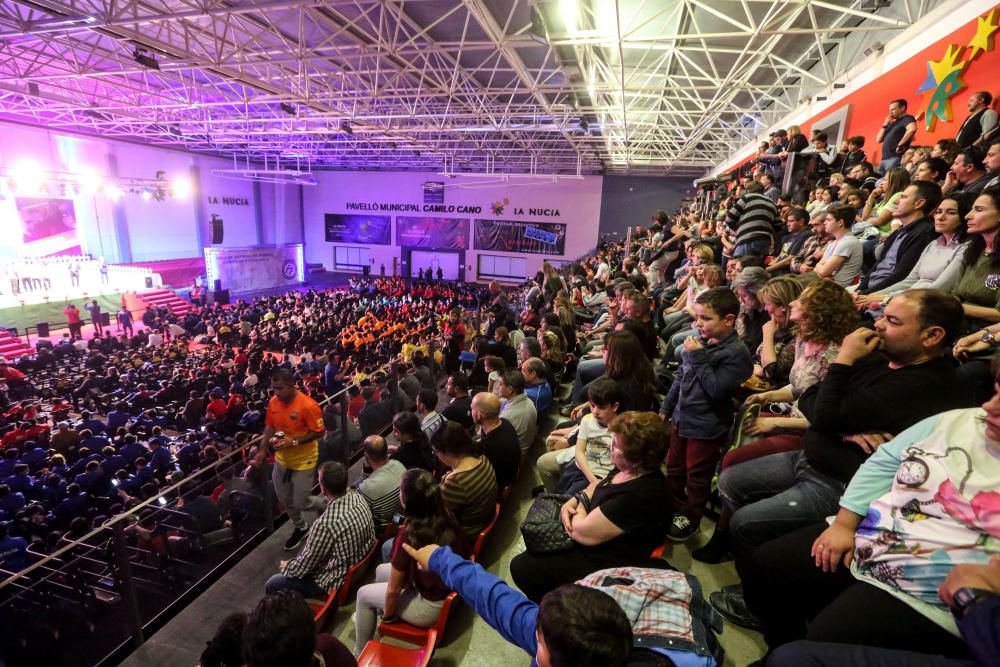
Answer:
(914, 211)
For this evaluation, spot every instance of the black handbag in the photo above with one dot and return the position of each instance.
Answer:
(542, 528)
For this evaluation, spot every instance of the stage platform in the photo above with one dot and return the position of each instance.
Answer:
(51, 310)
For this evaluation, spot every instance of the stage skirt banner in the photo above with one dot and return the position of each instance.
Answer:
(540, 238)
(433, 233)
(367, 229)
(49, 227)
(252, 269)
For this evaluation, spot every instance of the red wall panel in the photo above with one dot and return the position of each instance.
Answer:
(870, 103)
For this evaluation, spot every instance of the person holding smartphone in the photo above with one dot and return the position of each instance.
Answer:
(300, 421)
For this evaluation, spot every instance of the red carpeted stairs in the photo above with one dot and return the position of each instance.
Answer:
(12, 346)
(168, 298)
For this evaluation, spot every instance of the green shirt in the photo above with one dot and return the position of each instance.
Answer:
(980, 284)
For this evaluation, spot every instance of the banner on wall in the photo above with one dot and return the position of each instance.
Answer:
(368, 229)
(254, 269)
(434, 233)
(49, 227)
(540, 238)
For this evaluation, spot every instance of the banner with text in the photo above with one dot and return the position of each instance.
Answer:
(368, 229)
(540, 238)
(253, 269)
(434, 233)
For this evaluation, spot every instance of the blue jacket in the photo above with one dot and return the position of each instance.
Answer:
(505, 609)
(540, 394)
(700, 400)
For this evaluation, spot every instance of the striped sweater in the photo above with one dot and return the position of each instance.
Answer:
(752, 217)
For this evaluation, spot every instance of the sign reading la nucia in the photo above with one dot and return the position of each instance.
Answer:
(228, 201)
(390, 207)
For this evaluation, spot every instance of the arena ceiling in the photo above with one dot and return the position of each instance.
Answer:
(520, 86)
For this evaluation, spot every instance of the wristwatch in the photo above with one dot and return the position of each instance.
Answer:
(965, 598)
(988, 337)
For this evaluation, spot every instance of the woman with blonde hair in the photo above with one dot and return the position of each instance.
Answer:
(552, 355)
(878, 213)
(777, 353)
(552, 282)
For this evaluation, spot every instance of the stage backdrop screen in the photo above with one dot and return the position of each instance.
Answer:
(540, 238)
(252, 269)
(435, 233)
(367, 229)
(49, 226)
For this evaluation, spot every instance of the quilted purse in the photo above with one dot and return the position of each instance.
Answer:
(542, 528)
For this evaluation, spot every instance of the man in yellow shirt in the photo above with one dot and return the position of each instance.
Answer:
(301, 420)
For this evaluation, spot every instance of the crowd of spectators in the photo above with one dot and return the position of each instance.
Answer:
(771, 358)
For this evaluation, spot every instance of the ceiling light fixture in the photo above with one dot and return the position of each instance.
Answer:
(877, 47)
(145, 59)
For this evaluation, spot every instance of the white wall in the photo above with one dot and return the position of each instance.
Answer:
(230, 199)
(281, 214)
(134, 229)
(157, 229)
(577, 201)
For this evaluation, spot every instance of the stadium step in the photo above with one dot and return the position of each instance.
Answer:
(12, 346)
(168, 298)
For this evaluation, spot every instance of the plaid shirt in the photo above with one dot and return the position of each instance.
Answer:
(665, 609)
(805, 256)
(338, 539)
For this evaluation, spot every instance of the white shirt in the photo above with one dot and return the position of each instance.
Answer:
(155, 340)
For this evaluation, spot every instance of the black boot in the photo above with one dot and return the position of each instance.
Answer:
(716, 550)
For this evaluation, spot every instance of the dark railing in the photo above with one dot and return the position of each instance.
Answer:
(100, 595)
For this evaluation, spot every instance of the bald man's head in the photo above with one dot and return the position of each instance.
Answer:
(376, 449)
(485, 407)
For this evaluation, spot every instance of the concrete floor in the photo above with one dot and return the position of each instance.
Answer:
(468, 642)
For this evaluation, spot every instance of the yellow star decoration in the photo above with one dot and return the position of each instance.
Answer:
(948, 63)
(983, 41)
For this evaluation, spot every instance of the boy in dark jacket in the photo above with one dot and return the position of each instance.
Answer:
(699, 406)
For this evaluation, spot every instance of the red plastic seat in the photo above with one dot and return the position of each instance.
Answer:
(377, 654)
(411, 634)
(338, 596)
(478, 546)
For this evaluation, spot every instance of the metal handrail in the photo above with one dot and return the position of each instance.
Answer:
(153, 502)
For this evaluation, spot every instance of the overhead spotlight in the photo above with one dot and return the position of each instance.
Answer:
(161, 175)
(113, 192)
(821, 98)
(584, 125)
(159, 194)
(143, 57)
(391, 145)
(288, 108)
(27, 177)
(345, 126)
(180, 188)
(88, 182)
(569, 10)
(147, 194)
(876, 47)
(839, 86)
